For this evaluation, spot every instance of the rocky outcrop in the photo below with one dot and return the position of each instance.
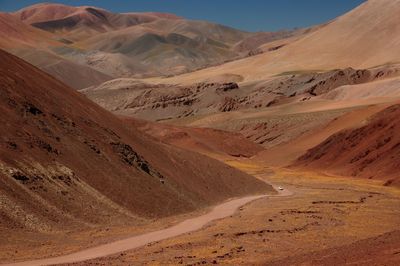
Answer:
(227, 87)
(229, 104)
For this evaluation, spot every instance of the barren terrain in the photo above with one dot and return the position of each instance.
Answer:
(325, 215)
(158, 140)
(68, 165)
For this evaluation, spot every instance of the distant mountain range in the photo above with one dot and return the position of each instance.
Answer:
(65, 40)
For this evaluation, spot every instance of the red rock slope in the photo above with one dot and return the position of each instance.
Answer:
(212, 142)
(67, 163)
(371, 151)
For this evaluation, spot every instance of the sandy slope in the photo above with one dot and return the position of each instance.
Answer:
(389, 88)
(369, 151)
(286, 153)
(61, 68)
(35, 46)
(16, 33)
(362, 38)
(207, 141)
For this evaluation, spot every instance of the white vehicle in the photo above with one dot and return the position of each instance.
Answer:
(280, 188)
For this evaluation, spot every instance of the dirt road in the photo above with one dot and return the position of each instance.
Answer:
(220, 211)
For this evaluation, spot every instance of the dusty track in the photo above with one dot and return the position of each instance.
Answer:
(220, 211)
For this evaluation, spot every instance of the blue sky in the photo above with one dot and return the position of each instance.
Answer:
(250, 15)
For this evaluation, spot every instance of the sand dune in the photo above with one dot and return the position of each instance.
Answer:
(388, 88)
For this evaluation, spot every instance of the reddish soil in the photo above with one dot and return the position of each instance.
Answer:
(380, 250)
(66, 163)
(78, 182)
(369, 151)
(207, 141)
(194, 224)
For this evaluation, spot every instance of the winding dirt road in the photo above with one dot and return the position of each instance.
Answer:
(220, 211)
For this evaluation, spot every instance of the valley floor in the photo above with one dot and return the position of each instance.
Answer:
(154, 109)
(328, 220)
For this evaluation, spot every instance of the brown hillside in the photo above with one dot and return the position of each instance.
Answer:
(67, 163)
(203, 140)
(371, 151)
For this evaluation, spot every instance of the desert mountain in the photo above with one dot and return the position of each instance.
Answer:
(365, 37)
(208, 141)
(36, 46)
(67, 163)
(103, 44)
(149, 128)
(369, 151)
(76, 23)
(156, 43)
(304, 65)
(14, 32)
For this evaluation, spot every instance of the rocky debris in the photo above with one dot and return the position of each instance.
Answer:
(229, 104)
(151, 98)
(271, 103)
(12, 145)
(274, 48)
(147, 101)
(20, 177)
(290, 230)
(227, 87)
(336, 78)
(63, 121)
(206, 97)
(132, 158)
(254, 52)
(43, 145)
(181, 100)
(34, 177)
(64, 178)
(361, 200)
(303, 86)
(31, 109)
(298, 212)
(92, 146)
